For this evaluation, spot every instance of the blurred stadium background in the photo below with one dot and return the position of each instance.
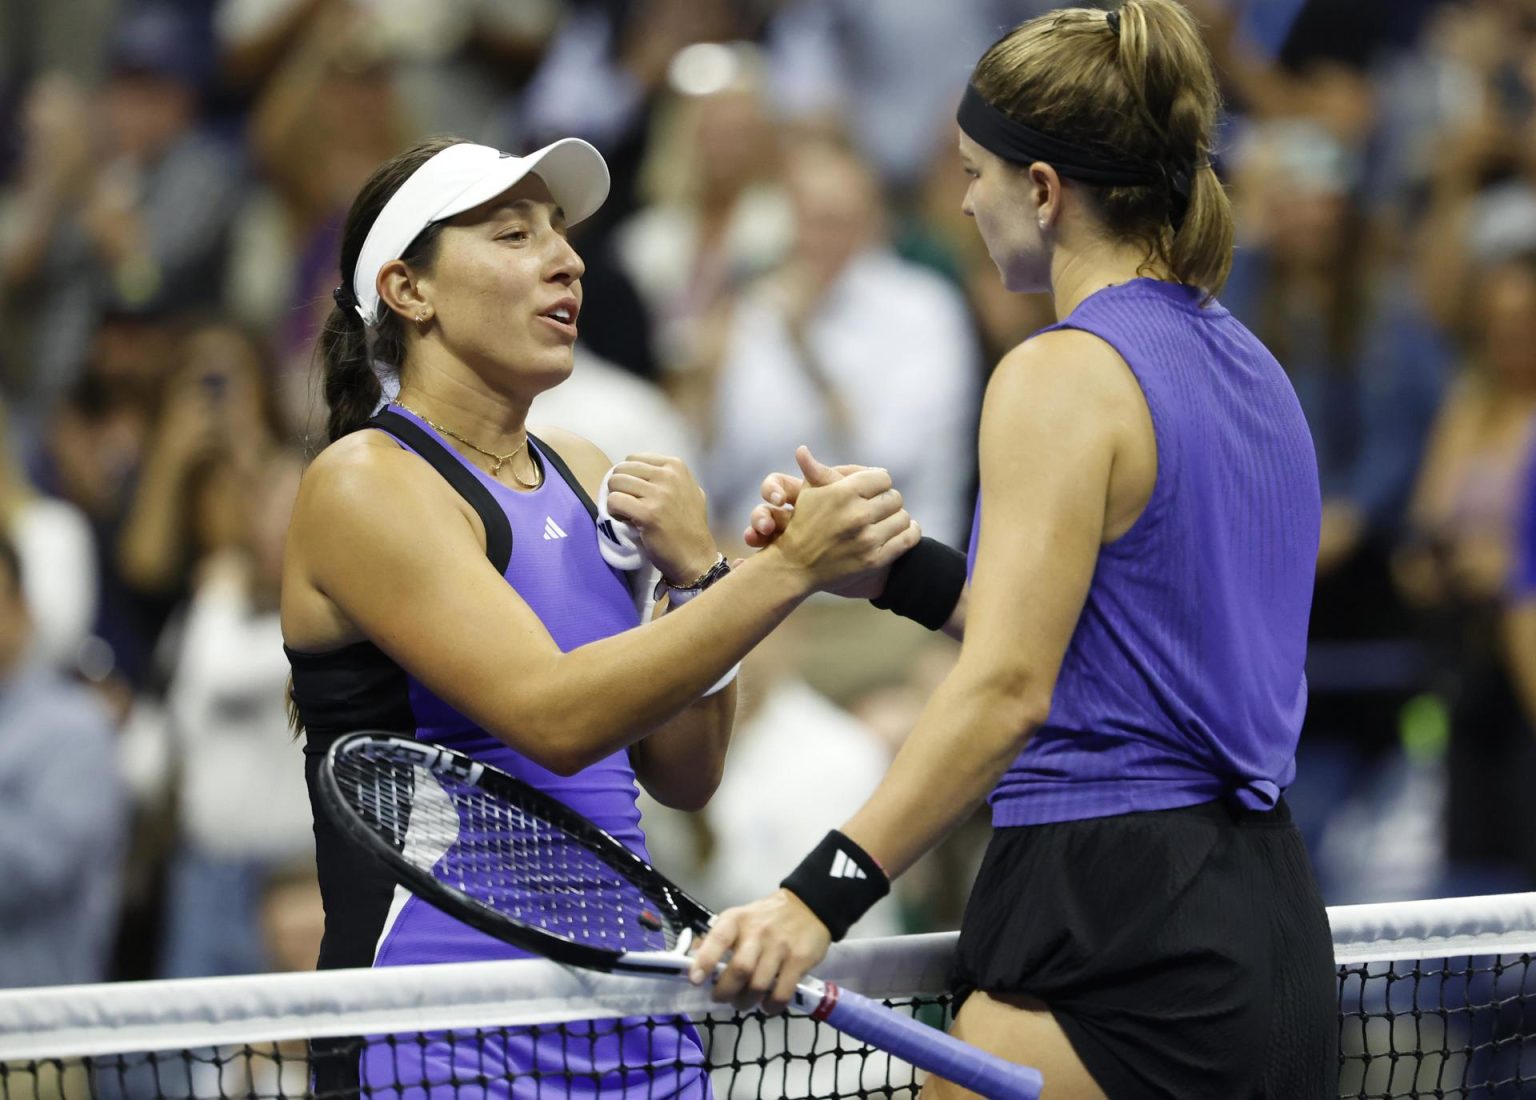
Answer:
(783, 260)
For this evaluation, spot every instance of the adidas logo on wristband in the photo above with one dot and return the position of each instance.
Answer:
(838, 882)
(843, 867)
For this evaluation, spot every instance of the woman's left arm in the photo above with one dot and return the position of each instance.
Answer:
(1059, 412)
(681, 762)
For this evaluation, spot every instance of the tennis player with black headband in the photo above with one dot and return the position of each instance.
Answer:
(444, 577)
(1134, 616)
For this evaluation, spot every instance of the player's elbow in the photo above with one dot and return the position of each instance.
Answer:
(571, 739)
(562, 754)
(688, 790)
(1017, 699)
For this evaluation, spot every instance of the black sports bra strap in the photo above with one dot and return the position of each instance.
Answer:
(498, 531)
(565, 471)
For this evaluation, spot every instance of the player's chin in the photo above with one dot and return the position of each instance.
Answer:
(548, 367)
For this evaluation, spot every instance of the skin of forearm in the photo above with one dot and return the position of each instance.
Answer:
(571, 716)
(972, 729)
(681, 764)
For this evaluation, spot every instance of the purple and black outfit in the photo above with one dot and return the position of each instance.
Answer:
(1144, 880)
(544, 543)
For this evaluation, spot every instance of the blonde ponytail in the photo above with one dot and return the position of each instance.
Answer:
(1138, 83)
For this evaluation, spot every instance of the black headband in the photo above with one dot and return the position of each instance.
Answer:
(1016, 143)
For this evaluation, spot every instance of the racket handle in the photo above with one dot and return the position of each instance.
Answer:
(927, 1047)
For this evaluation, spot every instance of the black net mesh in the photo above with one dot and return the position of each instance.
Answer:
(1463, 1028)
(736, 1056)
(1459, 1028)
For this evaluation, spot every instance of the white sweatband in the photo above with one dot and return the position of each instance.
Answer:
(617, 541)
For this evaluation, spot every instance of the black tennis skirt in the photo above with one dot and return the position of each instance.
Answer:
(1185, 953)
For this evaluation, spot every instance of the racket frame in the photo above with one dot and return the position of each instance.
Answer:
(690, 915)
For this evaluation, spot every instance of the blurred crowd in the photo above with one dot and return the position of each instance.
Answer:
(783, 260)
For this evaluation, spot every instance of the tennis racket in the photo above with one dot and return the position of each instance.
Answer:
(509, 860)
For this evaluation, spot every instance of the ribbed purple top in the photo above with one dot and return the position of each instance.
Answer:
(1183, 681)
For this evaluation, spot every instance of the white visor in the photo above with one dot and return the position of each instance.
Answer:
(462, 177)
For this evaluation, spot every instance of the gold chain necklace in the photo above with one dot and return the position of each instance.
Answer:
(500, 460)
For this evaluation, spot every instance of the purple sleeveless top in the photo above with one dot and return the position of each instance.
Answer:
(556, 568)
(1183, 681)
(554, 564)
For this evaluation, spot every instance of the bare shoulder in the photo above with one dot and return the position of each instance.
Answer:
(363, 462)
(1067, 370)
(585, 458)
(1068, 358)
(366, 479)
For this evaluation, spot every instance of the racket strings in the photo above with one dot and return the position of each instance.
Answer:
(504, 856)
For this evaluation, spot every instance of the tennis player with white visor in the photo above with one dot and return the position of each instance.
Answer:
(445, 578)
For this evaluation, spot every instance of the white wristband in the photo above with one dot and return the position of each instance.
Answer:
(617, 541)
(724, 681)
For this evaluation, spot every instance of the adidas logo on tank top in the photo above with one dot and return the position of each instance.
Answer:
(552, 529)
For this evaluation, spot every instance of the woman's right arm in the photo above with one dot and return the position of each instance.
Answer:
(375, 536)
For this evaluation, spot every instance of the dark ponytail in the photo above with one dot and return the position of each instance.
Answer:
(1137, 83)
(352, 389)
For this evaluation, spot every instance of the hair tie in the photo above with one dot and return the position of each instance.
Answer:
(344, 297)
(1112, 18)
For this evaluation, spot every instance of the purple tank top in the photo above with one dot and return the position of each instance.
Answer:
(1183, 681)
(556, 568)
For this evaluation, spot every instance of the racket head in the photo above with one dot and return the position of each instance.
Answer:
(501, 855)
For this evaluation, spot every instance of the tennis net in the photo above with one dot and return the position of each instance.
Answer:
(1434, 1001)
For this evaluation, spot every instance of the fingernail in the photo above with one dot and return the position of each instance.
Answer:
(776, 497)
(695, 975)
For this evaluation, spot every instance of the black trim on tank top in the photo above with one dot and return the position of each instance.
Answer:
(498, 529)
(565, 472)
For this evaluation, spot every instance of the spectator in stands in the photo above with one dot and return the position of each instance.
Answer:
(1315, 283)
(242, 810)
(716, 215)
(328, 114)
(140, 215)
(90, 456)
(1482, 187)
(1465, 516)
(458, 58)
(876, 355)
(54, 543)
(599, 79)
(216, 420)
(890, 69)
(63, 812)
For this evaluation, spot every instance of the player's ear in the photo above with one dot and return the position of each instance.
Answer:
(402, 290)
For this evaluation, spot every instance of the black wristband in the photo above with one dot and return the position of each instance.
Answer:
(839, 882)
(925, 584)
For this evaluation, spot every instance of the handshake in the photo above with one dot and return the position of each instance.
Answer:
(838, 528)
